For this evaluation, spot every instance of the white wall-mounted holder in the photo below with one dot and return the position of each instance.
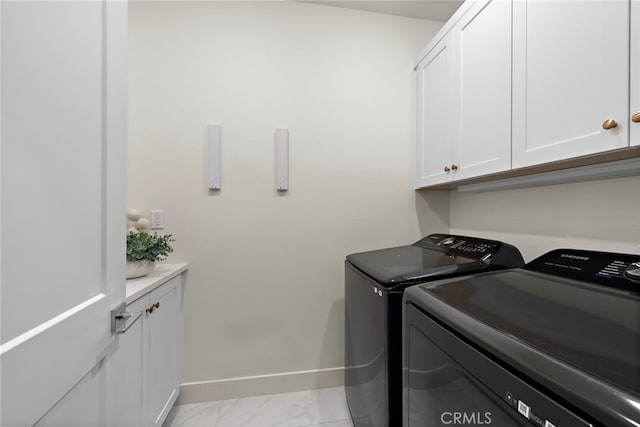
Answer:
(215, 157)
(282, 159)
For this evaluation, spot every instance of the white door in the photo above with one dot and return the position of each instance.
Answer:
(570, 75)
(63, 209)
(434, 108)
(482, 139)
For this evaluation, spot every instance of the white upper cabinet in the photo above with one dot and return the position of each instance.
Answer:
(434, 136)
(509, 84)
(464, 98)
(482, 109)
(635, 73)
(570, 76)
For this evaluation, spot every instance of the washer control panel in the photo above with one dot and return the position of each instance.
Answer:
(469, 247)
(632, 272)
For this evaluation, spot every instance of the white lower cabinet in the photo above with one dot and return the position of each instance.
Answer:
(133, 345)
(163, 334)
(152, 347)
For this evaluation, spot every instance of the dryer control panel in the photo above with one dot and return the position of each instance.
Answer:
(614, 270)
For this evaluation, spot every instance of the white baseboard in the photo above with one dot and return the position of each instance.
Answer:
(204, 391)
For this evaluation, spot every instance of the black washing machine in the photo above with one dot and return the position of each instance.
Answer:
(374, 285)
(553, 344)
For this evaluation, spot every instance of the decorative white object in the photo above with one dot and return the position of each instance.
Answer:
(133, 215)
(282, 159)
(132, 230)
(143, 224)
(139, 268)
(215, 157)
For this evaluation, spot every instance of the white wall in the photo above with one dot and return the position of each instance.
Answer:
(599, 215)
(265, 293)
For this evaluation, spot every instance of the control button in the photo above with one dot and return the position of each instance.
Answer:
(510, 399)
(375, 290)
(379, 293)
(523, 408)
(536, 420)
(548, 424)
(632, 272)
(448, 241)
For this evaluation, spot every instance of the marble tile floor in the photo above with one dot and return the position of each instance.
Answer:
(325, 407)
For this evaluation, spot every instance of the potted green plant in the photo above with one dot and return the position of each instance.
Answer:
(144, 250)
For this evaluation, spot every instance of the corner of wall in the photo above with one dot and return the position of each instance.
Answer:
(432, 208)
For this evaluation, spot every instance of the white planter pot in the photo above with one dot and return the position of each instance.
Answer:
(139, 268)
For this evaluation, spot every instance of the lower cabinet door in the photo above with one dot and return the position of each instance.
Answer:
(133, 344)
(164, 346)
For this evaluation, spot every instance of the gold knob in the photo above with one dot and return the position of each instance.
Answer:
(636, 117)
(609, 124)
(446, 169)
(454, 167)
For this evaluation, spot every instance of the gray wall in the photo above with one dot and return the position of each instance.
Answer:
(265, 293)
(600, 215)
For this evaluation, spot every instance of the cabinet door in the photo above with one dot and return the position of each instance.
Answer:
(164, 348)
(482, 40)
(635, 72)
(434, 114)
(570, 74)
(134, 346)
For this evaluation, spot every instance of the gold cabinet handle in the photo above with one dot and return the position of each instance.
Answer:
(636, 117)
(446, 169)
(454, 167)
(609, 124)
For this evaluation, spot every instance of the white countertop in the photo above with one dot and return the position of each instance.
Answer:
(143, 285)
